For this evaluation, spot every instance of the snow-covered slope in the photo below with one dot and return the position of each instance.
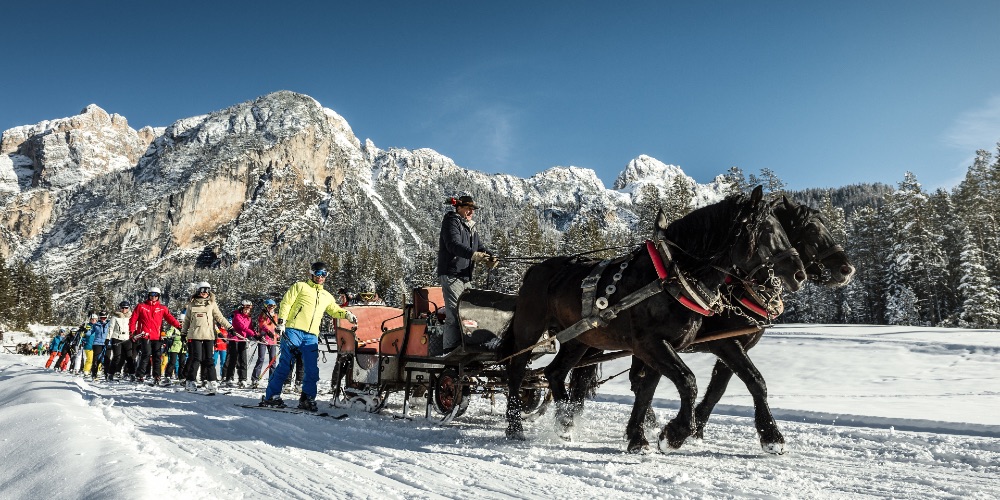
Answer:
(868, 412)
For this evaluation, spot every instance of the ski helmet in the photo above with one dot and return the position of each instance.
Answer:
(93, 315)
(155, 290)
(319, 269)
(245, 303)
(270, 302)
(103, 314)
(123, 304)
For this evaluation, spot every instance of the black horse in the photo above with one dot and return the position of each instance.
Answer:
(826, 263)
(708, 244)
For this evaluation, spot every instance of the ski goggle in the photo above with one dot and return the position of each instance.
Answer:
(154, 294)
(322, 273)
(204, 290)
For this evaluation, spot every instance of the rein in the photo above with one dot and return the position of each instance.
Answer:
(536, 259)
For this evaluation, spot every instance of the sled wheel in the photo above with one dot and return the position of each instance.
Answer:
(449, 394)
(532, 399)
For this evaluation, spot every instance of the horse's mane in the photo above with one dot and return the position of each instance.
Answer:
(795, 217)
(706, 235)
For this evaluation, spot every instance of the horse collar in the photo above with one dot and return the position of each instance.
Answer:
(678, 286)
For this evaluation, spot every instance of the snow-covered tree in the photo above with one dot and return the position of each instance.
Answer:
(980, 300)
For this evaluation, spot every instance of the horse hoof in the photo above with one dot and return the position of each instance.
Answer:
(774, 448)
(638, 447)
(665, 447)
(515, 435)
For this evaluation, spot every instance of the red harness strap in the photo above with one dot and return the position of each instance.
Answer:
(758, 310)
(752, 305)
(661, 272)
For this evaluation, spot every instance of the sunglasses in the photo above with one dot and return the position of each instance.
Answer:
(154, 294)
(322, 273)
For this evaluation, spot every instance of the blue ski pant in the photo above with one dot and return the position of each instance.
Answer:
(307, 345)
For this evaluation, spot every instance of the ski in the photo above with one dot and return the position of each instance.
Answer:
(219, 393)
(296, 410)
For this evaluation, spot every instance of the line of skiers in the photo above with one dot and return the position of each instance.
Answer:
(131, 343)
(148, 343)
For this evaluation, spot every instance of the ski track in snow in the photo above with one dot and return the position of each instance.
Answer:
(150, 441)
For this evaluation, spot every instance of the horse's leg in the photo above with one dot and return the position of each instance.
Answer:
(731, 353)
(644, 381)
(515, 376)
(583, 382)
(526, 328)
(662, 358)
(568, 356)
(639, 369)
(721, 375)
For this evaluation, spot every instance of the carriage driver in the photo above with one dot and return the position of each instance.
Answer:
(459, 249)
(299, 317)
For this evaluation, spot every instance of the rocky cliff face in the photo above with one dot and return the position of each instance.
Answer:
(89, 200)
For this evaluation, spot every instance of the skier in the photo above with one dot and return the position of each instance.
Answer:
(267, 347)
(98, 339)
(55, 347)
(219, 358)
(199, 328)
(119, 345)
(67, 350)
(86, 353)
(236, 350)
(144, 326)
(174, 342)
(302, 308)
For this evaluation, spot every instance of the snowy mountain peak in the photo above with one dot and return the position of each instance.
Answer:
(69, 151)
(585, 177)
(647, 169)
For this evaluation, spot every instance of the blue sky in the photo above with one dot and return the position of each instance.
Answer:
(823, 93)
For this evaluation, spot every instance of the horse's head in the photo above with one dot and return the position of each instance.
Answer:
(739, 232)
(766, 253)
(826, 262)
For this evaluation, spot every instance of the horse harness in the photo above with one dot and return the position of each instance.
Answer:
(597, 312)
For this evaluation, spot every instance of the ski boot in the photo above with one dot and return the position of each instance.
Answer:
(191, 386)
(211, 388)
(307, 403)
(274, 402)
(241, 384)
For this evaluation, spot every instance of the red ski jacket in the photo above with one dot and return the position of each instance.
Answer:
(147, 318)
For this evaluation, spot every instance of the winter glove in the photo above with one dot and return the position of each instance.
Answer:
(478, 257)
(493, 261)
(280, 329)
(349, 316)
